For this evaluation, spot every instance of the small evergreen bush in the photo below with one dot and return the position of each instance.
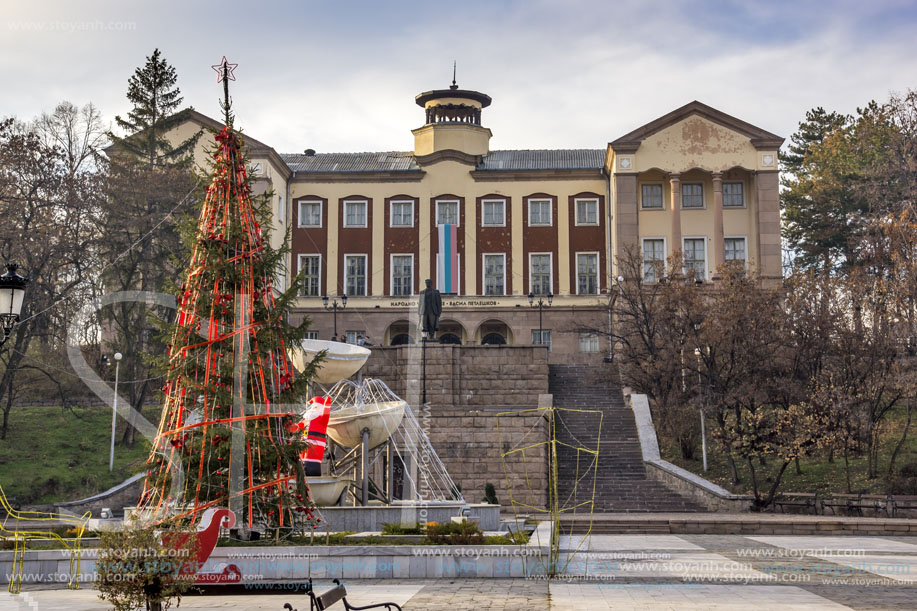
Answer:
(455, 533)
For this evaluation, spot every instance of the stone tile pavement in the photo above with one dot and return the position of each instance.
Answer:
(693, 572)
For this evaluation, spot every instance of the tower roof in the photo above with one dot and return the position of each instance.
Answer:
(453, 92)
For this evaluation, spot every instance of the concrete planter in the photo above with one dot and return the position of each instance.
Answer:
(293, 563)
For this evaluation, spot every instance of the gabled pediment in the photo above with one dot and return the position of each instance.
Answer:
(759, 138)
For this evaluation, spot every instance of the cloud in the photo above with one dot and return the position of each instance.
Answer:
(574, 74)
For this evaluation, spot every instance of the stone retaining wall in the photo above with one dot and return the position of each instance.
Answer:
(116, 498)
(483, 403)
(701, 491)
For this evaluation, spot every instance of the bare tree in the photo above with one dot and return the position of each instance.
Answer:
(49, 231)
(77, 133)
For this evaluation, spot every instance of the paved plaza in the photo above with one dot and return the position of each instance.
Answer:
(622, 572)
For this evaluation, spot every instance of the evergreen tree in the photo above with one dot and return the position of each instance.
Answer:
(814, 214)
(155, 95)
(841, 173)
(151, 186)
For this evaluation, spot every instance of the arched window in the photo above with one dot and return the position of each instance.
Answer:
(450, 338)
(493, 339)
(402, 339)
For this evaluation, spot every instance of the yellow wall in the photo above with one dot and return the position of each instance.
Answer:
(693, 147)
(184, 131)
(737, 222)
(454, 178)
(695, 142)
(470, 139)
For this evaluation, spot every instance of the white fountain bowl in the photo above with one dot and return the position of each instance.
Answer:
(346, 425)
(325, 491)
(341, 360)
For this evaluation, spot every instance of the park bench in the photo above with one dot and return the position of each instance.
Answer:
(801, 499)
(336, 594)
(854, 504)
(902, 502)
(877, 503)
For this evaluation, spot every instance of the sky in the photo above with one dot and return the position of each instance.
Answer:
(342, 76)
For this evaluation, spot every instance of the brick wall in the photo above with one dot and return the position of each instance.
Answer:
(480, 400)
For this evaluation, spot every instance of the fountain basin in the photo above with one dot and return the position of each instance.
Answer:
(341, 360)
(325, 491)
(346, 425)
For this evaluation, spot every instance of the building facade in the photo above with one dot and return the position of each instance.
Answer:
(499, 231)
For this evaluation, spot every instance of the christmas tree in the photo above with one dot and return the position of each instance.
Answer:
(228, 435)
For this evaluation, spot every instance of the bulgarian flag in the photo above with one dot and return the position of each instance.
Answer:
(447, 260)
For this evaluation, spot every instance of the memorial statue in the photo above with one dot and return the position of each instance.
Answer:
(429, 307)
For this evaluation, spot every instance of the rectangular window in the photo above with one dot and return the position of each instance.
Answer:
(493, 213)
(588, 342)
(539, 212)
(355, 275)
(651, 197)
(587, 212)
(695, 257)
(587, 273)
(353, 337)
(692, 195)
(735, 249)
(310, 214)
(355, 213)
(733, 195)
(495, 274)
(402, 274)
(311, 335)
(653, 259)
(281, 210)
(311, 268)
(542, 338)
(401, 214)
(447, 213)
(540, 274)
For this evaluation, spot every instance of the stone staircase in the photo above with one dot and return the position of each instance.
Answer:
(621, 483)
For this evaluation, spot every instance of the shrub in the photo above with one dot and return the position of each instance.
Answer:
(512, 538)
(134, 569)
(490, 494)
(455, 533)
(401, 529)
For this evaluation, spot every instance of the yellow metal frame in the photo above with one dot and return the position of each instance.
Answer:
(554, 506)
(21, 538)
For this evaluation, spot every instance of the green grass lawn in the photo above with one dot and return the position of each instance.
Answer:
(51, 454)
(818, 475)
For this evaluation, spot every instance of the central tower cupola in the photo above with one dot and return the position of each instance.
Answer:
(453, 122)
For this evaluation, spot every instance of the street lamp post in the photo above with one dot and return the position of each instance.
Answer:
(12, 291)
(541, 304)
(334, 307)
(703, 425)
(114, 413)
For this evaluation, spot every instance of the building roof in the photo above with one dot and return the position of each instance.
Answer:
(395, 161)
(390, 161)
(482, 98)
(544, 159)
